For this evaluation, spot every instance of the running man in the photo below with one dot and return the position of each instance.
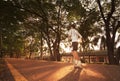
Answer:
(74, 35)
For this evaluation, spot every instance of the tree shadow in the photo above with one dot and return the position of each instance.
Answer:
(72, 76)
(6, 75)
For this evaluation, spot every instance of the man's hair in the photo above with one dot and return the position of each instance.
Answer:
(73, 25)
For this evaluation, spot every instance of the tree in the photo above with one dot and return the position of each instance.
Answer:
(85, 17)
(48, 19)
(112, 23)
(10, 17)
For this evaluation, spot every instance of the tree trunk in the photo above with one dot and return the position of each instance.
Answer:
(52, 58)
(56, 51)
(1, 53)
(11, 54)
(41, 47)
(30, 50)
(110, 46)
(118, 56)
(109, 38)
(111, 57)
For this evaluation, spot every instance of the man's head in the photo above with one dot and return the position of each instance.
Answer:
(73, 26)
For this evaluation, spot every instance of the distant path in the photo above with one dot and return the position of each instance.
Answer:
(36, 70)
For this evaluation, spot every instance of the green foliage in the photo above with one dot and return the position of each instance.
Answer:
(75, 9)
(9, 20)
(45, 19)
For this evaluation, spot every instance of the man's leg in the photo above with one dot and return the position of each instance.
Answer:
(75, 55)
(77, 62)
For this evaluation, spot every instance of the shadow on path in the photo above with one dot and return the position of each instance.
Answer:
(72, 76)
(5, 75)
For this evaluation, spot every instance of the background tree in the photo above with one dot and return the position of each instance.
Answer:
(112, 23)
(45, 21)
(10, 17)
(85, 17)
(49, 22)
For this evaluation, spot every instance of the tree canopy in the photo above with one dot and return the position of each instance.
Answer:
(39, 26)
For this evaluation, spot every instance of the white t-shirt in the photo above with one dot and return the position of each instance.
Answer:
(74, 34)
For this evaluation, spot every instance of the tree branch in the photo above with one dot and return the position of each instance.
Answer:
(112, 10)
(101, 11)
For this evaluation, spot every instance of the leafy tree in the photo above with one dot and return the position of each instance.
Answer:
(10, 17)
(110, 15)
(85, 17)
(48, 19)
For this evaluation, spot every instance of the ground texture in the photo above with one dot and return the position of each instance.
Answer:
(37, 70)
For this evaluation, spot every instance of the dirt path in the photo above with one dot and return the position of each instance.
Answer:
(36, 70)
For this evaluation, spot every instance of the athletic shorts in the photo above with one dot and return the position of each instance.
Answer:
(75, 46)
